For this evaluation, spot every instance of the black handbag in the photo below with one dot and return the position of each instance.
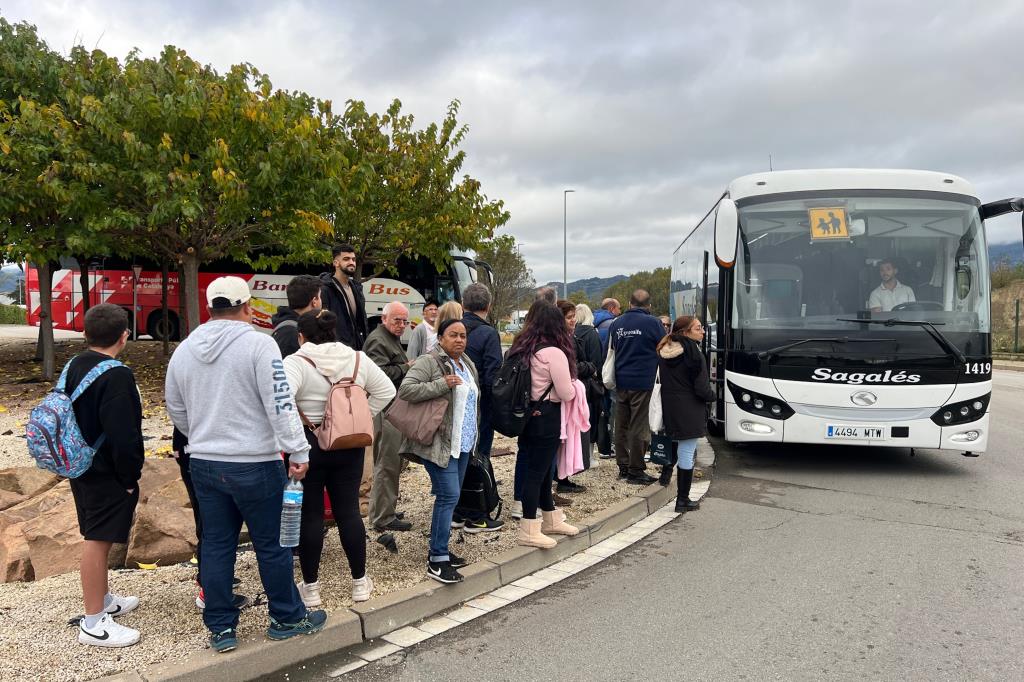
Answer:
(661, 449)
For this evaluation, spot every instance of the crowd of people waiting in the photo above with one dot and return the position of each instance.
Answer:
(239, 399)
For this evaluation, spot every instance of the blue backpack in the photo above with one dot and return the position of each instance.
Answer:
(54, 439)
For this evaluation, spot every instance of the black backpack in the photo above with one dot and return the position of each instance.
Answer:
(479, 494)
(510, 396)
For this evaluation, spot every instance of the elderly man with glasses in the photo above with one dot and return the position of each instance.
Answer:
(384, 347)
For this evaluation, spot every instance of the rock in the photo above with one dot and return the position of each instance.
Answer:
(27, 481)
(54, 541)
(15, 564)
(36, 506)
(156, 473)
(164, 530)
(174, 491)
(9, 499)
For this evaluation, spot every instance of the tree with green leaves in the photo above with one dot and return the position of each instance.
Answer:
(203, 166)
(512, 279)
(655, 282)
(579, 297)
(401, 194)
(35, 139)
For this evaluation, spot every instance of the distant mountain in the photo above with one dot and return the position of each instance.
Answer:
(592, 286)
(1011, 254)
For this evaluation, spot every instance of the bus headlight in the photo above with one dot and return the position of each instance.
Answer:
(963, 412)
(761, 405)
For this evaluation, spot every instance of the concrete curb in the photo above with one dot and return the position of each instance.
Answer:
(370, 620)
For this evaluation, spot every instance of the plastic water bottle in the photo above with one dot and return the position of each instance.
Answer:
(291, 514)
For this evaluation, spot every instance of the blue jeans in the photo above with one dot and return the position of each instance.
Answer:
(446, 484)
(229, 494)
(685, 451)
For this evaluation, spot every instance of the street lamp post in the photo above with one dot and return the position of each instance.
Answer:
(565, 244)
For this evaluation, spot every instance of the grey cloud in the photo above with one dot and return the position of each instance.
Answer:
(648, 109)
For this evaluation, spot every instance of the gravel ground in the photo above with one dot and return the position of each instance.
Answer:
(36, 641)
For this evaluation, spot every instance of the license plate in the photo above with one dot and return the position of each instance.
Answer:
(847, 432)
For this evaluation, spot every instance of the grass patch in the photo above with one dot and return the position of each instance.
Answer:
(12, 314)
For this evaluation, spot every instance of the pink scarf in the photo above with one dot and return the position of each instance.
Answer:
(575, 419)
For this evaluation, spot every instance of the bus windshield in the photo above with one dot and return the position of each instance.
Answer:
(819, 261)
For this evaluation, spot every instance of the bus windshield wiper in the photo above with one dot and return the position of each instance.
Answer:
(771, 352)
(939, 337)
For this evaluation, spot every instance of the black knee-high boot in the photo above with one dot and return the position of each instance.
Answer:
(683, 483)
(666, 474)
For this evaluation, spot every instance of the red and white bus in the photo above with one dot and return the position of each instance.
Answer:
(112, 280)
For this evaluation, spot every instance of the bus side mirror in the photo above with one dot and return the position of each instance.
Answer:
(727, 232)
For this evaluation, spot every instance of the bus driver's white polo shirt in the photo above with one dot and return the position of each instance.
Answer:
(887, 299)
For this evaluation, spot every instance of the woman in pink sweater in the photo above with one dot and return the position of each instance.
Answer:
(549, 347)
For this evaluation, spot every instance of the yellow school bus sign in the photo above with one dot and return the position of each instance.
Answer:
(828, 223)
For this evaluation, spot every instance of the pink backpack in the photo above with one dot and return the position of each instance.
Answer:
(347, 420)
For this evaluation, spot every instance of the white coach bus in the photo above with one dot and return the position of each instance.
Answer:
(845, 306)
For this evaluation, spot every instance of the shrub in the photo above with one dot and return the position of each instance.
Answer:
(12, 314)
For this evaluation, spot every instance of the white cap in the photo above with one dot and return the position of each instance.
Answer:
(227, 292)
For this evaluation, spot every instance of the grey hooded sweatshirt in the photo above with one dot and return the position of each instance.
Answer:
(226, 390)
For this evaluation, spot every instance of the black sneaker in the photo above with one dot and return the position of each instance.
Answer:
(396, 524)
(456, 561)
(569, 487)
(313, 622)
(484, 525)
(458, 522)
(623, 474)
(224, 641)
(443, 572)
(641, 479)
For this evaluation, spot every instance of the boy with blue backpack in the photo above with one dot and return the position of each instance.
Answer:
(108, 413)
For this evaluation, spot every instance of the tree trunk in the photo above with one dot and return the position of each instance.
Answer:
(165, 275)
(48, 354)
(190, 266)
(182, 293)
(83, 281)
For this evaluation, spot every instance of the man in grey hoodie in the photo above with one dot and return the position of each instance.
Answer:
(227, 393)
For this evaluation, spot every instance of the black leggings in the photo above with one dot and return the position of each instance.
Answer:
(538, 455)
(340, 472)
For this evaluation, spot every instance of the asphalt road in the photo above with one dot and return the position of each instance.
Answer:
(803, 564)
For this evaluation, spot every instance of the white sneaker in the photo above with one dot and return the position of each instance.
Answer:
(516, 510)
(361, 588)
(107, 633)
(121, 605)
(310, 594)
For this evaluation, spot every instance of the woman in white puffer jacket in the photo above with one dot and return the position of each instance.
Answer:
(319, 362)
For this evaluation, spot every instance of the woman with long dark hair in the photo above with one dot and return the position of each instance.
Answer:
(685, 393)
(311, 372)
(585, 371)
(547, 345)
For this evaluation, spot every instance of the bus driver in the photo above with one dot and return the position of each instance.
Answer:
(890, 293)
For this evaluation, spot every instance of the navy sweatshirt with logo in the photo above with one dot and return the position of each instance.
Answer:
(635, 335)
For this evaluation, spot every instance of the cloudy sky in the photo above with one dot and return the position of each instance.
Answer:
(646, 109)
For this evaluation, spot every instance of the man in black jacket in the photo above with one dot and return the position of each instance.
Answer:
(303, 295)
(107, 493)
(483, 346)
(343, 296)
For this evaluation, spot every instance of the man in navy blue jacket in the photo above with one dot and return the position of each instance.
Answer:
(483, 346)
(634, 335)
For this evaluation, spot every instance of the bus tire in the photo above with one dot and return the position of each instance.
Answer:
(155, 326)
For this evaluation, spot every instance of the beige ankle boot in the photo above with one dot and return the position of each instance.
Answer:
(554, 524)
(530, 535)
